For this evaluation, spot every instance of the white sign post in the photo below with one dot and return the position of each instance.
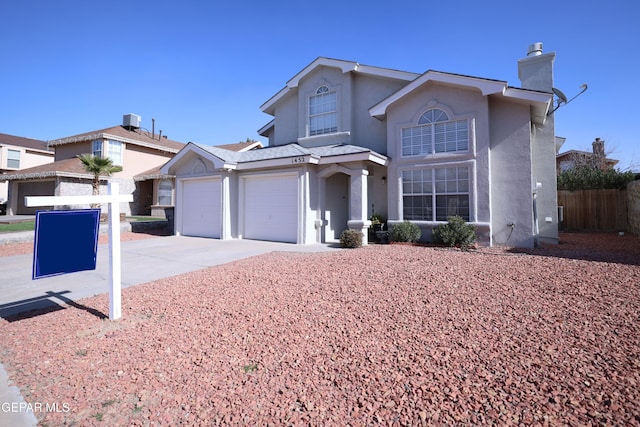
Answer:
(113, 199)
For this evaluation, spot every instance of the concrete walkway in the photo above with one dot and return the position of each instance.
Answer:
(142, 261)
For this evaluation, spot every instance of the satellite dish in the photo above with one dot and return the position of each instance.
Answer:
(561, 96)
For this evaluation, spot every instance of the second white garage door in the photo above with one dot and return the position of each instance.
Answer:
(200, 208)
(271, 208)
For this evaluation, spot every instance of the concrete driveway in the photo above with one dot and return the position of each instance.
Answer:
(142, 261)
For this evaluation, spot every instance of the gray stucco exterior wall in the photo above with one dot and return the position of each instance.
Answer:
(458, 103)
(511, 183)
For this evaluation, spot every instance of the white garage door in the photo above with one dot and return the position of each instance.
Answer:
(271, 208)
(200, 208)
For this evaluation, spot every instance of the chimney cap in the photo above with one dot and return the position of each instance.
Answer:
(535, 49)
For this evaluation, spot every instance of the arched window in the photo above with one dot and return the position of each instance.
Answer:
(435, 133)
(433, 116)
(323, 116)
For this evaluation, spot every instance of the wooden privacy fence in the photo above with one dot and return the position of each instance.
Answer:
(603, 210)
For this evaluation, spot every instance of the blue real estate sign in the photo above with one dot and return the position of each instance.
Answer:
(65, 242)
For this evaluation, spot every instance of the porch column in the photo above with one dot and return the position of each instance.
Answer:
(358, 209)
(225, 229)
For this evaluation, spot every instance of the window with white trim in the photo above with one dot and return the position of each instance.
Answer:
(323, 115)
(13, 159)
(165, 192)
(435, 133)
(434, 194)
(96, 148)
(114, 152)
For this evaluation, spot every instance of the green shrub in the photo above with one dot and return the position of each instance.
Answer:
(405, 232)
(351, 239)
(586, 177)
(456, 232)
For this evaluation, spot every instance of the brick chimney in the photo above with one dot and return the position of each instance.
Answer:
(598, 147)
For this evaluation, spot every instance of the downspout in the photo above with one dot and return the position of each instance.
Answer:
(536, 230)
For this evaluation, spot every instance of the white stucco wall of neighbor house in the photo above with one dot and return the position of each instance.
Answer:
(511, 181)
(459, 103)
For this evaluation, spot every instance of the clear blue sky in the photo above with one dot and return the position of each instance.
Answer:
(203, 68)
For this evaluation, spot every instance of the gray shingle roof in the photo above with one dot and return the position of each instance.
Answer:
(282, 151)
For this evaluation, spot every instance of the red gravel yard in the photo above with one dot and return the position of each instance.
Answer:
(389, 334)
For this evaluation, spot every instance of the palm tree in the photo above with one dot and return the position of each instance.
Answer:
(98, 166)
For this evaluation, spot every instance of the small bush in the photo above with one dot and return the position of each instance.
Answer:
(351, 239)
(405, 232)
(456, 232)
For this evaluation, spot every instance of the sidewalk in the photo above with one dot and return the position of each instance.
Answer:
(142, 261)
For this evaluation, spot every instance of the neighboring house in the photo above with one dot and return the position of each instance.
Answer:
(597, 158)
(20, 153)
(128, 145)
(349, 140)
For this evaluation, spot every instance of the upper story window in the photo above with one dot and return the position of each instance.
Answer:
(114, 152)
(13, 159)
(96, 148)
(435, 133)
(323, 116)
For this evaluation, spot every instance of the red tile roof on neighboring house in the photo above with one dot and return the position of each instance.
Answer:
(69, 168)
(119, 133)
(19, 141)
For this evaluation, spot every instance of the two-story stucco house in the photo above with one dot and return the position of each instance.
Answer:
(135, 149)
(349, 140)
(17, 153)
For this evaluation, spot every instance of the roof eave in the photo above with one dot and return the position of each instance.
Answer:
(279, 162)
(345, 67)
(153, 176)
(266, 128)
(370, 156)
(44, 175)
(106, 135)
(540, 102)
(192, 147)
(486, 87)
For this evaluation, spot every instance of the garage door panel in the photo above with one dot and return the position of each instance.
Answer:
(271, 208)
(201, 208)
